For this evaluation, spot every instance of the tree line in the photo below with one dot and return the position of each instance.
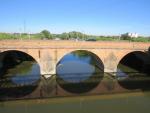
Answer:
(74, 35)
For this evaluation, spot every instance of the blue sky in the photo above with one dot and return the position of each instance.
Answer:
(97, 17)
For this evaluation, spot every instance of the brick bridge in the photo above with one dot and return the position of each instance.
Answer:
(49, 53)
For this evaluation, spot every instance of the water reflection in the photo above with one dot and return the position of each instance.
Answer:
(134, 71)
(79, 71)
(29, 76)
(19, 74)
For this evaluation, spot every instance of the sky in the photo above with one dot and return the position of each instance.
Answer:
(96, 17)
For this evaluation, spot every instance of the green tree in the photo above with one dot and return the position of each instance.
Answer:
(65, 36)
(46, 34)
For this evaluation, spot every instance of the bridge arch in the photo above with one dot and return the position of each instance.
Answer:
(133, 71)
(64, 52)
(79, 71)
(23, 51)
(19, 73)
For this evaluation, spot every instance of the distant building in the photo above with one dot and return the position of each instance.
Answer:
(57, 39)
(131, 35)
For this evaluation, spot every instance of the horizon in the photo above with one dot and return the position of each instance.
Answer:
(97, 17)
(69, 32)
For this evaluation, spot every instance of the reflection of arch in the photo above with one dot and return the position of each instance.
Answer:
(81, 84)
(133, 70)
(19, 73)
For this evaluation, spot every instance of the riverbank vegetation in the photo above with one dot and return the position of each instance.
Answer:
(46, 35)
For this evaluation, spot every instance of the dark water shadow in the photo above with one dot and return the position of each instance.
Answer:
(133, 71)
(48, 85)
(19, 74)
(79, 72)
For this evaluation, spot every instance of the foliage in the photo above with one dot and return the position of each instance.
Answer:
(124, 37)
(46, 34)
(64, 36)
(107, 38)
(73, 35)
(141, 39)
(7, 36)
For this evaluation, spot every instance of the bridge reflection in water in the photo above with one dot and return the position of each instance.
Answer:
(134, 71)
(78, 73)
(19, 74)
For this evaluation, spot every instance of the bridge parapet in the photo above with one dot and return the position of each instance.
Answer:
(40, 44)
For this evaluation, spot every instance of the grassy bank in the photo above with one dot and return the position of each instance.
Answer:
(69, 36)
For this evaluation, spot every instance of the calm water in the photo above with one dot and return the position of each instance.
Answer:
(30, 76)
(18, 73)
(77, 69)
(19, 68)
(120, 103)
(133, 71)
